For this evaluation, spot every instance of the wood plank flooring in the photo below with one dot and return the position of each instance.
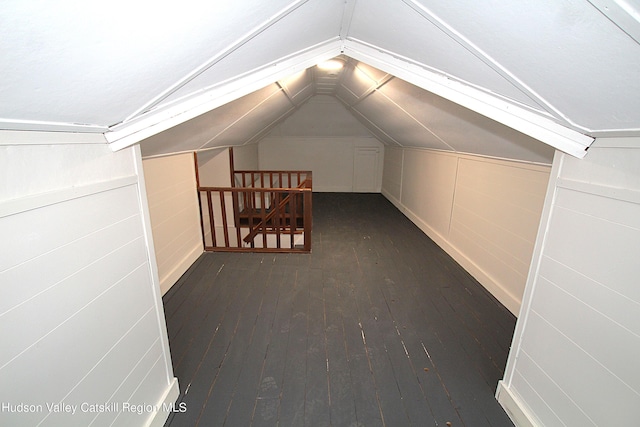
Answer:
(376, 327)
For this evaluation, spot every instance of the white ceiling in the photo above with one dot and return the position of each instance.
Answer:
(394, 111)
(556, 71)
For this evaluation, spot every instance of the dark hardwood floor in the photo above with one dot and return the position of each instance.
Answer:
(376, 327)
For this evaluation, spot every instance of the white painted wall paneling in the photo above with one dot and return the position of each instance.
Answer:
(330, 159)
(245, 157)
(367, 165)
(175, 216)
(321, 136)
(392, 173)
(81, 313)
(484, 212)
(495, 217)
(428, 187)
(215, 171)
(577, 342)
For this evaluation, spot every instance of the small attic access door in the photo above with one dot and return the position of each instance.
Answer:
(366, 164)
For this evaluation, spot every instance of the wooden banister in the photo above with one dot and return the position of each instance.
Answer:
(265, 204)
(256, 229)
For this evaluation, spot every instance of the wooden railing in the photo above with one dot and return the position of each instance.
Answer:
(269, 178)
(260, 214)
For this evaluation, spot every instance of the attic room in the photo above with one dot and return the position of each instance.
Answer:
(514, 150)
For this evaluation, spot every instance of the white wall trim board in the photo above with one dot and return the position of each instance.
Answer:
(621, 13)
(154, 122)
(163, 408)
(536, 259)
(16, 206)
(548, 339)
(24, 137)
(507, 299)
(53, 127)
(617, 193)
(468, 155)
(347, 17)
(515, 408)
(534, 124)
(153, 265)
(619, 142)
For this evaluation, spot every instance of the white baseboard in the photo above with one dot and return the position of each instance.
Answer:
(514, 408)
(163, 408)
(498, 291)
(169, 279)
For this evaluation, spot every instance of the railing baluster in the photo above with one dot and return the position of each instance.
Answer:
(211, 220)
(224, 219)
(292, 218)
(204, 240)
(251, 211)
(263, 214)
(277, 217)
(307, 220)
(236, 214)
(281, 208)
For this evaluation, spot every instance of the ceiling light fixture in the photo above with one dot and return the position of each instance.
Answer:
(331, 65)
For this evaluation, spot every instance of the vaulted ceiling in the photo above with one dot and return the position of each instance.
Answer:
(562, 72)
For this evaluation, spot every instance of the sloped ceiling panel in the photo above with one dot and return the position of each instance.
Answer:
(307, 24)
(569, 53)
(298, 87)
(395, 121)
(256, 122)
(393, 110)
(322, 116)
(413, 36)
(239, 122)
(461, 129)
(70, 62)
(402, 114)
(232, 124)
(75, 66)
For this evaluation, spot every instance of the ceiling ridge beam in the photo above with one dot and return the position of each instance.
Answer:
(347, 17)
(244, 39)
(49, 126)
(622, 14)
(485, 57)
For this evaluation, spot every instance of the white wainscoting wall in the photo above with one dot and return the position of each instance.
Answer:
(175, 217)
(81, 318)
(483, 211)
(574, 358)
(331, 159)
